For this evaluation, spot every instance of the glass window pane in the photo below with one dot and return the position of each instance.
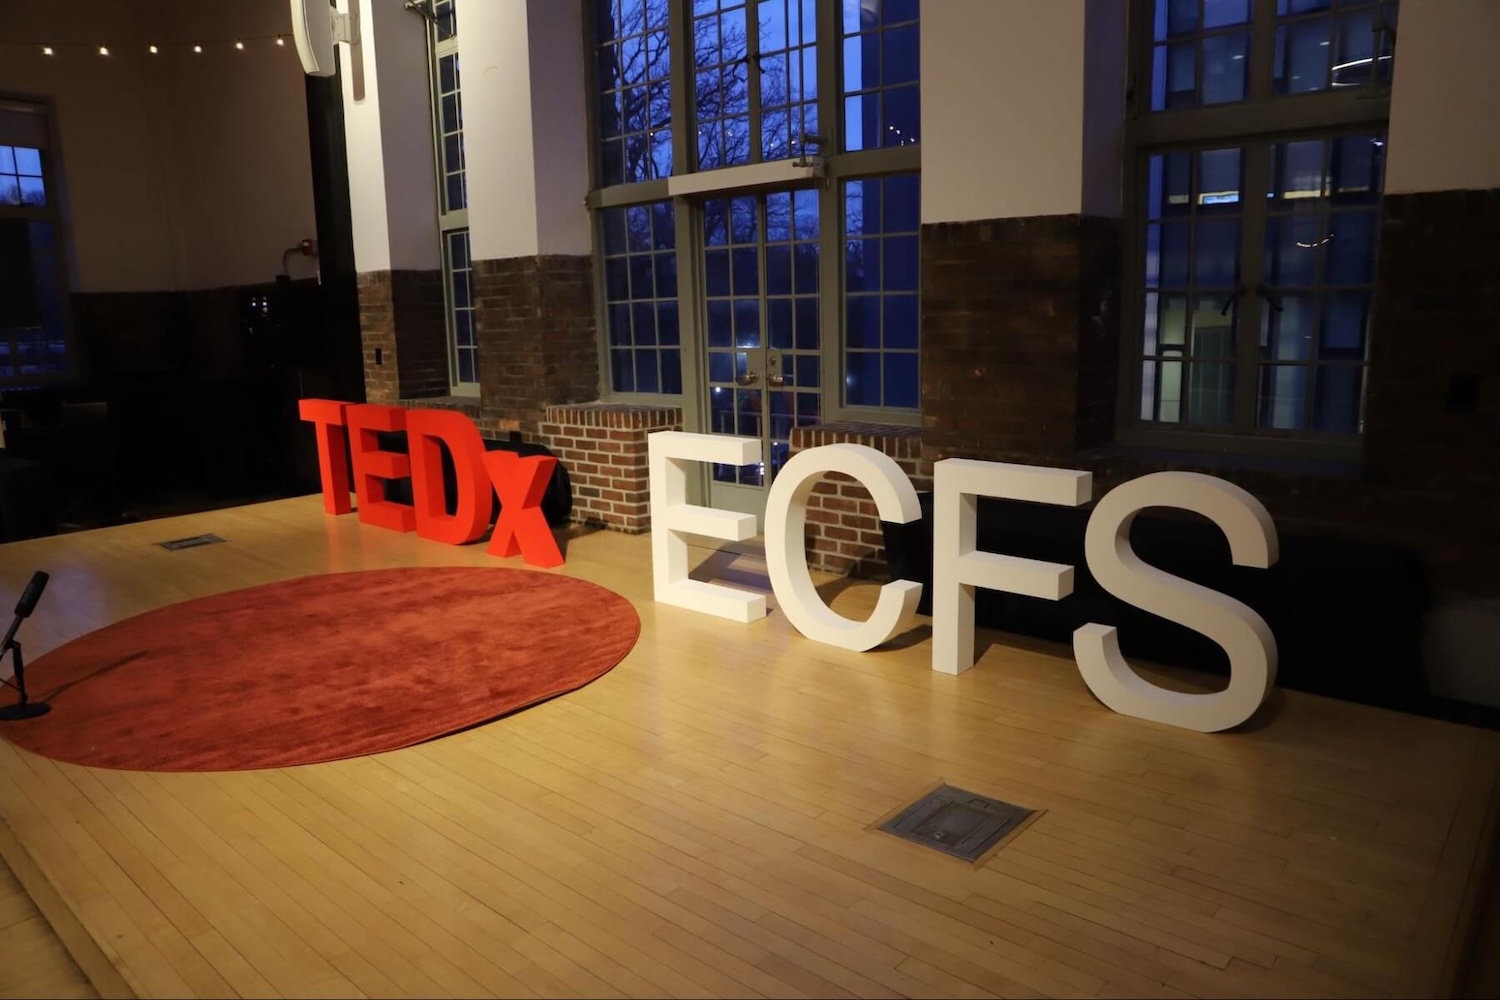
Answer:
(1224, 67)
(671, 372)
(879, 74)
(1351, 248)
(901, 387)
(1302, 56)
(28, 161)
(640, 288)
(1287, 333)
(902, 321)
(1222, 13)
(1339, 398)
(1346, 321)
(807, 324)
(779, 324)
(862, 330)
(1283, 397)
(1216, 254)
(862, 378)
(901, 263)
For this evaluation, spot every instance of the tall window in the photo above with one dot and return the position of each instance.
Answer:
(1258, 150)
(33, 313)
(789, 302)
(453, 200)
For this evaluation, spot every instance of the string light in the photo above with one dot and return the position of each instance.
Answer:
(54, 49)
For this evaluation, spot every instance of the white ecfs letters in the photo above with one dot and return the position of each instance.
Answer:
(959, 566)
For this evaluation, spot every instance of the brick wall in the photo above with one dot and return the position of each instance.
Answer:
(843, 529)
(421, 325)
(604, 448)
(536, 330)
(404, 333)
(1019, 335)
(377, 326)
(1432, 417)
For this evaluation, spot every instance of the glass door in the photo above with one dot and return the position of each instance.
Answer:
(760, 280)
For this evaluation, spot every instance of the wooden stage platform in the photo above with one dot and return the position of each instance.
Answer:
(698, 821)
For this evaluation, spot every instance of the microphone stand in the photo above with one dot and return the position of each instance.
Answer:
(25, 708)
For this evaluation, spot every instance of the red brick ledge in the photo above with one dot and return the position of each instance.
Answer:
(619, 416)
(896, 440)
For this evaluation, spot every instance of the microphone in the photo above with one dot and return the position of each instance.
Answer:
(25, 708)
(33, 593)
(25, 606)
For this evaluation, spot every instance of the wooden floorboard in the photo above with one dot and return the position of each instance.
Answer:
(698, 822)
(33, 960)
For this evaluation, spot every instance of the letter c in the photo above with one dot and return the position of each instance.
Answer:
(786, 558)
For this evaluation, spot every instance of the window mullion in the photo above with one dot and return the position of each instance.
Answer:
(831, 295)
(680, 85)
(1262, 49)
(752, 76)
(830, 111)
(691, 312)
(1252, 269)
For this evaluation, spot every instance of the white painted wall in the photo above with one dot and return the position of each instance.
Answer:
(180, 171)
(1445, 98)
(388, 134)
(1002, 108)
(242, 184)
(559, 135)
(525, 134)
(404, 96)
(494, 50)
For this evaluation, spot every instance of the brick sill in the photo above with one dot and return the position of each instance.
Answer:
(465, 403)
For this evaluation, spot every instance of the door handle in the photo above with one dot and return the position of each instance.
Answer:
(1239, 290)
(1274, 301)
(749, 378)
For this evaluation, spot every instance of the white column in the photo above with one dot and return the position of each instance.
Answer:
(525, 132)
(1445, 98)
(1021, 108)
(392, 176)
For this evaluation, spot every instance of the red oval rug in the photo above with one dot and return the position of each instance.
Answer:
(321, 668)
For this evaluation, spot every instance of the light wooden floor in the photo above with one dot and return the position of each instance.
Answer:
(33, 961)
(697, 821)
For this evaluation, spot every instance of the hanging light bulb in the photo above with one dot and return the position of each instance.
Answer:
(47, 50)
(280, 41)
(103, 50)
(197, 48)
(240, 46)
(152, 49)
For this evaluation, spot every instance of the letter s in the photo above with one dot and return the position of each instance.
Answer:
(1241, 632)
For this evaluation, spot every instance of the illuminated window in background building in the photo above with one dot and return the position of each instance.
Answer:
(33, 286)
(1256, 251)
(453, 200)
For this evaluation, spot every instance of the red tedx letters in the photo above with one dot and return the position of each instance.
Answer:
(520, 483)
